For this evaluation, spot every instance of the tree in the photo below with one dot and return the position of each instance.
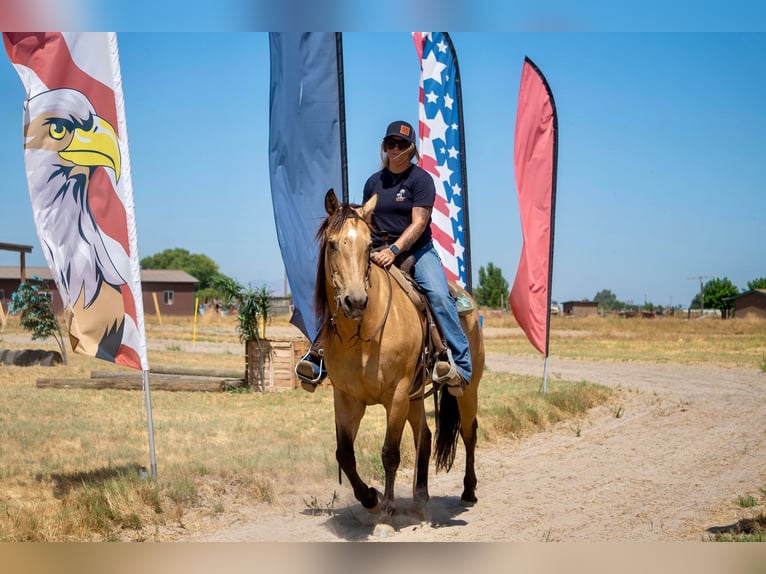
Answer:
(199, 266)
(36, 307)
(717, 294)
(493, 288)
(759, 283)
(607, 301)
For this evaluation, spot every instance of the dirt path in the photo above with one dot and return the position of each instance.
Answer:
(690, 441)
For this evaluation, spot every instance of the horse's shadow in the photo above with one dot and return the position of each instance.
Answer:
(355, 523)
(65, 483)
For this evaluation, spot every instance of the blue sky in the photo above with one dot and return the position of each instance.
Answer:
(661, 151)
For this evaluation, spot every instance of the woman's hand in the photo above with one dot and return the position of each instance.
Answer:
(383, 258)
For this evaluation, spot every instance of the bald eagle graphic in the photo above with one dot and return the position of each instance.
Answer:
(72, 156)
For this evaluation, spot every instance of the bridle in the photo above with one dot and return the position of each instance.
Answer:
(336, 284)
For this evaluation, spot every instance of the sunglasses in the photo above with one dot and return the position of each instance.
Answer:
(391, 143)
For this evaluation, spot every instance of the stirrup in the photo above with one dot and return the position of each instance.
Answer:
(445, 377)
(448, 377)
(310, 373)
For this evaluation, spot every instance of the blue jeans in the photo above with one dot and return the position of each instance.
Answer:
(429, 274)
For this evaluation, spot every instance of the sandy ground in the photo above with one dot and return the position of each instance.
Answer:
(689, 441)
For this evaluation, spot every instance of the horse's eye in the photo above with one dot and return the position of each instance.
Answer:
(332, 245)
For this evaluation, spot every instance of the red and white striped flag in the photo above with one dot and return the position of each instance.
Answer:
(78, 172)
(442, 151)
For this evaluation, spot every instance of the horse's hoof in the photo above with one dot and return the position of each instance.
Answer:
(375, 509)
(383, 530)
(468, 501)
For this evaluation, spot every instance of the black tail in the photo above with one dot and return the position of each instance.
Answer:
(447, 431)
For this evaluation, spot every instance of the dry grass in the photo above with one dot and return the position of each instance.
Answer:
(73, 461)
(727, 343)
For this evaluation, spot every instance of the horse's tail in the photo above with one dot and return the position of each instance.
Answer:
(447, 431)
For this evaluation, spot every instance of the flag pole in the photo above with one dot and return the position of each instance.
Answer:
(342, 115)
(150, 424)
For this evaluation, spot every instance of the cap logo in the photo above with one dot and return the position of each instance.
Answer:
(404, 130)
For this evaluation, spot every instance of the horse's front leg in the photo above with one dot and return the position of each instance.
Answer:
(348, 415)
(396, 416)
(422, 435)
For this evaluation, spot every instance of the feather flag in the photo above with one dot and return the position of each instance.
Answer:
(535, 161)
(306, 151)
(78, 173)
(442, 151)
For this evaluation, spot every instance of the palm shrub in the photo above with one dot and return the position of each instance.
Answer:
(247, 303)
(253, 309)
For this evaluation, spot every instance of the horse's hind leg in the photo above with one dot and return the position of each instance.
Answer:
(468, 431)
(469, 479)
(422, 435)
(348, 415)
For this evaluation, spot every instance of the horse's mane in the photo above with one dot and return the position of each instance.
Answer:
(331, 225)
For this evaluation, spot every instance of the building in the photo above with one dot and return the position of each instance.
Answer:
(750, 304)
(580, 308)
(169, 291)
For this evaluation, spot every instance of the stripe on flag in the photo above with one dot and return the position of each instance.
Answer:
(78, 173)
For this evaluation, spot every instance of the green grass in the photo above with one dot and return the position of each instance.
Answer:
(747, 501)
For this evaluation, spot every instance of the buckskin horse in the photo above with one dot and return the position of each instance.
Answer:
(373, 339)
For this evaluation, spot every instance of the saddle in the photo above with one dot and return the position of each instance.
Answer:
(434, 346)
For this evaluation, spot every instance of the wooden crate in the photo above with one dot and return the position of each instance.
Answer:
(270, 364)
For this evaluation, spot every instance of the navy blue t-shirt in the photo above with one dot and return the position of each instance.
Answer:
(397, 195)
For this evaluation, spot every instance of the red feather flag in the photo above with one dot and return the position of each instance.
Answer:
(535, 159)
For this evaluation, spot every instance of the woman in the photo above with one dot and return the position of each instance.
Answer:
(402, 220)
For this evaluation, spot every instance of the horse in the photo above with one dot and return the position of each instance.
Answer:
(373, 338)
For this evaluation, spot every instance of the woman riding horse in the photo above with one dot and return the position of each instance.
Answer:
(373, 337)
(402, 225)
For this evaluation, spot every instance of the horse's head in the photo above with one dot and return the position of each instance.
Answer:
(345, 243)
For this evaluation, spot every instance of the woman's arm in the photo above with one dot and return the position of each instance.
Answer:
(420, 218)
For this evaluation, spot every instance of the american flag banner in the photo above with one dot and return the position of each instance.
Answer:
(78, 173)
(442, 150)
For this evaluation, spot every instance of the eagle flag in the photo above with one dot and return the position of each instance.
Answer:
(535, 159)
(78, 174)
(441, 141)
(306, 153)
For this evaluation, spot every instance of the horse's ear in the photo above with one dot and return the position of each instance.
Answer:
(368, 208)
(330, 202)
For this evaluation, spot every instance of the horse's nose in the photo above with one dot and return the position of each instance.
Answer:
(354, 305)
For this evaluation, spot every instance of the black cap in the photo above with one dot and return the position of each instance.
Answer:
(402, 130)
